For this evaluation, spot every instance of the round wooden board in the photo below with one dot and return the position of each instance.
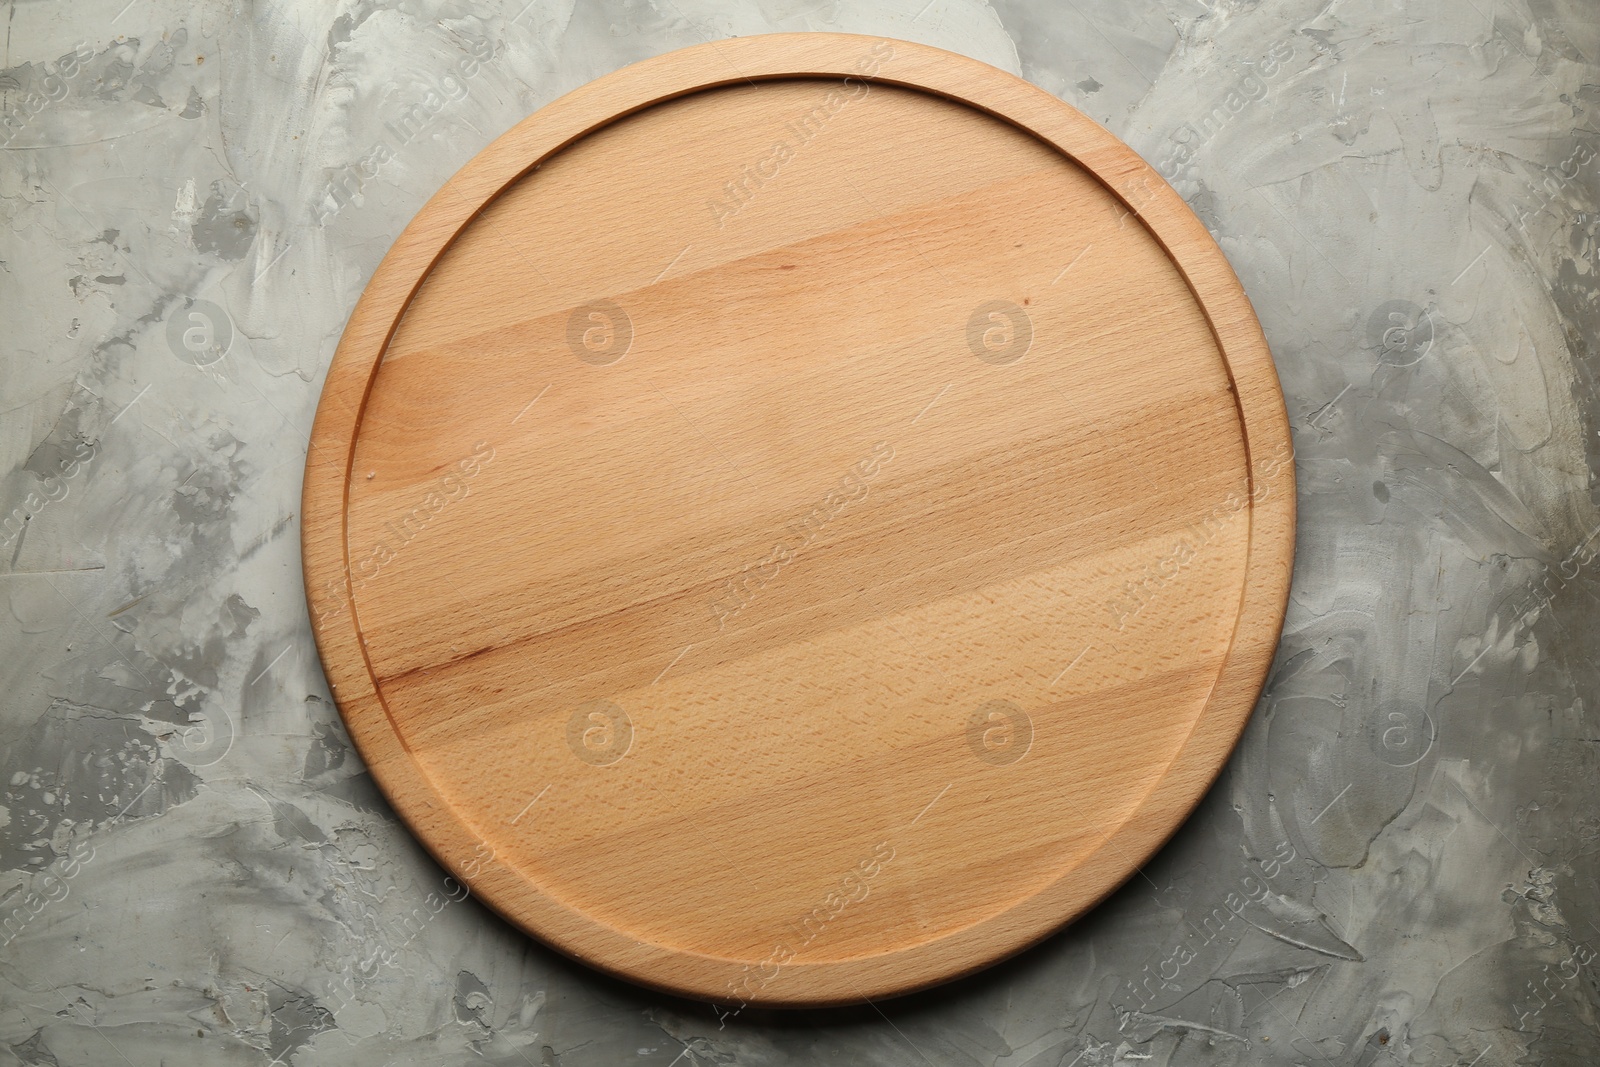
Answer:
(799, 519)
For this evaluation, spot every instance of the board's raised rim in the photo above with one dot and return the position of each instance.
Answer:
(1271, 514)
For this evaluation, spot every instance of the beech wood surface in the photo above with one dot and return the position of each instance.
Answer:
(793, 576)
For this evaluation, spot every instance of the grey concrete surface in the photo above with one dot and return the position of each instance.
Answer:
(1397, 866)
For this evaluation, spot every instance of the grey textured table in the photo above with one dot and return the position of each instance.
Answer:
(1398, 865)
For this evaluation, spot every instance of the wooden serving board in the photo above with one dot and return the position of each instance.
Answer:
(799, 519)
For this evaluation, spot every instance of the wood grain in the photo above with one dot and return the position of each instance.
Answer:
(793, 575)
